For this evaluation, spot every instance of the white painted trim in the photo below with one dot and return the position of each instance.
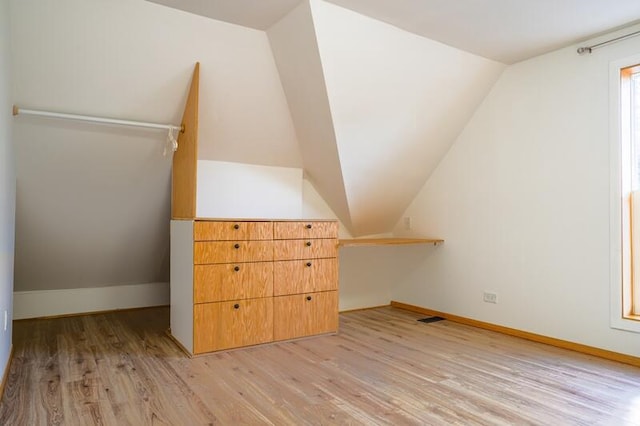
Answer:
(182, 282)
(44, 303)
(615, 219)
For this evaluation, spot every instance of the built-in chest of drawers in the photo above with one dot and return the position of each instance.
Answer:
(242, 283)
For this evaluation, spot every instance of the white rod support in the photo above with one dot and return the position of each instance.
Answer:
(93, 119)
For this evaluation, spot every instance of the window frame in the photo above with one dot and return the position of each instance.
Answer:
(620, 275)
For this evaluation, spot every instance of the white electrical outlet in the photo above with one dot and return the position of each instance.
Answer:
(490, 297)
(407, 223)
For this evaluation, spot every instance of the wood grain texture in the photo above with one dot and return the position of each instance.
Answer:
(305, 276)
(229, 230)
(233, 324)
(229, 281)
(304, 249)
(301, 230)
(185, 159)
(589, 350)
(356, 242)
(383, 367)
(232, 251)
(303, 315)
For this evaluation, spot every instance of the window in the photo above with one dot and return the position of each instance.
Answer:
(629, 183)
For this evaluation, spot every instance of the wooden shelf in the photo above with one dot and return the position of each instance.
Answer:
(387, 241)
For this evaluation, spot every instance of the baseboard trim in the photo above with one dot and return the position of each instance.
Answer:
(54, 303)
(346, 311)
(178, 343)
(564, 344)
(81, 314)
(5, 376)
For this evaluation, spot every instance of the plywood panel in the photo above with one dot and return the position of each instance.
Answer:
(232, 230)
(232, 324)
(232, 251)
(214, 283)
(357, 242)
(185, 159)
(311, 229)
(304, 249)
(305, 314)
(305, 276)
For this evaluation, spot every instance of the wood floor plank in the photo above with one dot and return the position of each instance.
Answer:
(384, 367)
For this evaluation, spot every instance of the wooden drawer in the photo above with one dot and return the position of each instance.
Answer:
(231, 231)
(225, 325)
(305, 276)
(232, 251)
(302, 230)
(304, 249)
(215, 283)
(305, 314)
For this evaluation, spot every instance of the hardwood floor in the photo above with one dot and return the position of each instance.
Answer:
(383, 367)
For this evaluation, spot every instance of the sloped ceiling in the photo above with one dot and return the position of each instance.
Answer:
(398, 102)
(376, 91)
(375, 107)
(507, 31)
(93, 201)
(295, 49)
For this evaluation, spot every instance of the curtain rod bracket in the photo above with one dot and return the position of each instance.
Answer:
(588, 49)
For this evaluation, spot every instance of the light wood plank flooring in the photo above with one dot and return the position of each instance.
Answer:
(384, 367)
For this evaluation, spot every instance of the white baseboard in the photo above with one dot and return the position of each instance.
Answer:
(45, 303)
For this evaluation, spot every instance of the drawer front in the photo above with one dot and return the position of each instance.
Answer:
(215, 283)
(304, 249)
(305, 276)
(225, 325)
(231, 231)
(305, 315)
(301, 230)
(232, 251)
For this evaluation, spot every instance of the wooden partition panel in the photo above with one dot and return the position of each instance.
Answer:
(185, 159)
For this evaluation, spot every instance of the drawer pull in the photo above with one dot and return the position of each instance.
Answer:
(236, 226)
(308, 243)
(309, 264)
(237, 268)
(236, 306)
(236, 246)
(308, 297)
(308, 226)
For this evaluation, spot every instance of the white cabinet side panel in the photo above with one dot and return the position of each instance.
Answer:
(182, 282)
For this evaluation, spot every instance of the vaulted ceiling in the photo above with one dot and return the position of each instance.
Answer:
(367, 108)
(381, 110)
(503, 30)
(378, 90)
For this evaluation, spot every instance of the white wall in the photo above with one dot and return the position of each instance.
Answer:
(245, 191)
(133, 59)
(522, 200)
(295, 49)
(398, 101)
(367, 274)
(93, 201)
(7, 190)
